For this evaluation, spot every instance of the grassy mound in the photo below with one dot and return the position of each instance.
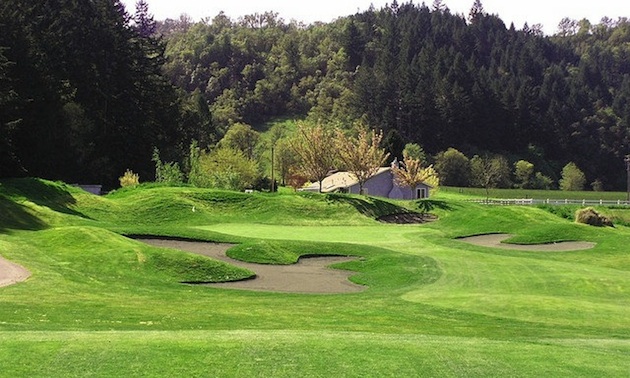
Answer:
(36, 204)
(98, 303)
(88, 254)
(198, 206)
(283, 252)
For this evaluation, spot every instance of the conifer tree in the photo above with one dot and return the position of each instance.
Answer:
(145, 25)
(476, 11)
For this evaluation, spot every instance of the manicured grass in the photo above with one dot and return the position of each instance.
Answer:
(371, 235)
(536, 194)
(305, 354)
(100, 304)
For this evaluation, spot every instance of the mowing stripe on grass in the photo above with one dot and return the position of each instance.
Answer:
(286, 353)
(379, 234)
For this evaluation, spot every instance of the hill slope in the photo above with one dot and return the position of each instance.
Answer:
(99, 303)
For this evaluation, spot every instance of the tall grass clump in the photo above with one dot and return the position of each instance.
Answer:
(591, 217)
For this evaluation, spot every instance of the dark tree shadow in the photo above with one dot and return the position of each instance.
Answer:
(52, 195)
(14, 216)
(428, 205)
(368, 206)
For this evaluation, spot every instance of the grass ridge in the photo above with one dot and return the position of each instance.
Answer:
(435, 307)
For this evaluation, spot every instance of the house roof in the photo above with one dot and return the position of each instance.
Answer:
(344, 180)
(340, 180)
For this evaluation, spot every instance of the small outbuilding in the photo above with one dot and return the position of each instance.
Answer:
(381, 184)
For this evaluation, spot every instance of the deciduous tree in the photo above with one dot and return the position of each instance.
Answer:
(414, 151)
(523, 171)
(228, 168)
(314, 147)
(411, 173)
(362, 156)
(241, 137)
(572, 178)
(489, 171)
(285, 158)
(453, 168)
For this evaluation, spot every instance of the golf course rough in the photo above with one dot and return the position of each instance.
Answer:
(98, 303)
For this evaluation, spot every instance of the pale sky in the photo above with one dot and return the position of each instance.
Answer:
(545, 12)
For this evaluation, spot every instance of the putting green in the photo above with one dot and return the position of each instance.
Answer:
(373, 235)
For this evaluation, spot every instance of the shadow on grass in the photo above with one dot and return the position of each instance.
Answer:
(17, 217)
(368, 206)
(428, 205)
(47, 194)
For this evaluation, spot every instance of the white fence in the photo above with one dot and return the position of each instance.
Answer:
(531, 201)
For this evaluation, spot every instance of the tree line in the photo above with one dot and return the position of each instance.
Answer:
(83, 94)
(89, 90)
(423, 75)
(295, 153)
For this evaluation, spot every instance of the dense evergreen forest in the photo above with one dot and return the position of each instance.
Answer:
(87, 90)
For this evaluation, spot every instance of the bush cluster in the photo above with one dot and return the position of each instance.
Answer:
(591, 217)
(129, 179)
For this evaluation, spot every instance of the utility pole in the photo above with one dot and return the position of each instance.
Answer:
(273, 180)
(627, 160)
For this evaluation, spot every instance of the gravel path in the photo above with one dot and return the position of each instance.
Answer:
(494, 241)
(12, 273)
(308, 275)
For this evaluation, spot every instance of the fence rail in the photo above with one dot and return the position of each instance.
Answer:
(532, 201)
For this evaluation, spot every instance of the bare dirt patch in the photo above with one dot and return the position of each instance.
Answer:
(495, 241)
(309, 275)
(12, 273)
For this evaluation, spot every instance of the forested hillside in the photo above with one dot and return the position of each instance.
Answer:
(98, 90)
(83, 95)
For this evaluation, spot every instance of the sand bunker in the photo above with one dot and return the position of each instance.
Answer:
(309, 275)
(494, 241)
(11, 273)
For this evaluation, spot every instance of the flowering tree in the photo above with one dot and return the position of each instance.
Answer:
(313, 147)
(362, 156)
(411, 173)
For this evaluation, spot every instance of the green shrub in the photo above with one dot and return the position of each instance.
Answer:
(129, 179)
(564, 211)
(226, 168)
(167, 173)
(542, 182)
(170, 173)
(196, 176)
(597, 185)
(591, 217)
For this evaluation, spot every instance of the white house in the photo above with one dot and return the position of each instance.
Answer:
(381, 184)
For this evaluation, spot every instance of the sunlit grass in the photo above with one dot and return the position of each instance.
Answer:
(373, 235)
(535, 193)
(305, 354)
(101, 304)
